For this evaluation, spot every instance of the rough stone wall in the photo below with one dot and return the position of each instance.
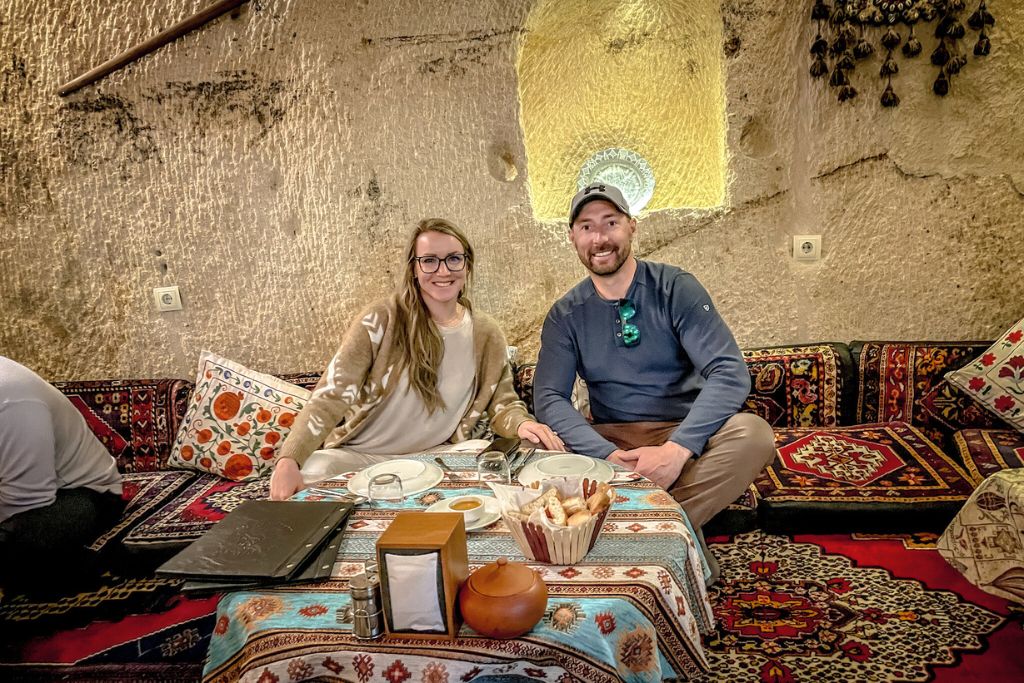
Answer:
(271, 165)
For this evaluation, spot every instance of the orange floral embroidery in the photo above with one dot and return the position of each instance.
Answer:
(242, 428)
(187, 452)
(286, 419)
(272, 437)
(226, 405)
(204, 435)
(238, 467)
(224, 448)
(263, 415)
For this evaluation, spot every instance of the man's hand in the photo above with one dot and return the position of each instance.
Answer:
(286, 480)
(625, 458)
(661, 464)
(539, 433)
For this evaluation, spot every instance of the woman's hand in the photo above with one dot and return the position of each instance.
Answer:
(540, 433)
(286, 480)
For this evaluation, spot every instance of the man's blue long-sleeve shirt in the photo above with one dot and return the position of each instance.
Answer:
(685, 367)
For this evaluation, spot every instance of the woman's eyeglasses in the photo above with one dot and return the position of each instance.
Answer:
(630, 332)
(431, 264)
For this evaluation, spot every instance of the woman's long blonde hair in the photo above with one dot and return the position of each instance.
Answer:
(420, 346)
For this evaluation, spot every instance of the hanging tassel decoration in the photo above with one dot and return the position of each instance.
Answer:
(839, 46)
(845, 62)
(838, 78)
(889, 97)
(912, 47)
(847, 92)
(956, 30)
(956, 64)
(891, 40)
(819, 68)
(889, 67)
(941, 85)
(820, 11)
(863, 49)
(981, 18)
(819, 46)
(981, 49)
(941, 55)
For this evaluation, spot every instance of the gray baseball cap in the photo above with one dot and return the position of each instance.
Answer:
(608, 193)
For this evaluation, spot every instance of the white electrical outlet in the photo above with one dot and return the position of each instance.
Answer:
(167, 298)
(807, 247)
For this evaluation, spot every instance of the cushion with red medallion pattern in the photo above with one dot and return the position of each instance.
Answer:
(867, 478)
(202, 503)
(987, 451)
(136, 419)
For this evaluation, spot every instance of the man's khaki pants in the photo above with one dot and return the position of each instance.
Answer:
(731, 460)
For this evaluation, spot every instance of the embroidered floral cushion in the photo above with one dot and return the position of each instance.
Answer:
(996, 378)
(236, 420)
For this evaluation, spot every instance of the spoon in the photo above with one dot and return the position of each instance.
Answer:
(442, 463)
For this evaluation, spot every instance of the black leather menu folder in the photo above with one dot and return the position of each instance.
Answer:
(317, 568)
(259, 541)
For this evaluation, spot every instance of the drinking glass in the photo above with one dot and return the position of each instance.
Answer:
(385, 488)
(493, 466)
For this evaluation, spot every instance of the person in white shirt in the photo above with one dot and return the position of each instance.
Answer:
(59, 487)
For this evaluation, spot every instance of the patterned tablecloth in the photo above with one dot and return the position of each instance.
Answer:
(634, 609)
(985, 541)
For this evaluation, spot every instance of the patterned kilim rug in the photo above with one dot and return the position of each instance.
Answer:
(855, 608)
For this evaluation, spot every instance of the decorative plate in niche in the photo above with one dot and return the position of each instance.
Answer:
(623, 168)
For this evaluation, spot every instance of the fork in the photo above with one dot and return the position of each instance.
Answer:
(527, 454)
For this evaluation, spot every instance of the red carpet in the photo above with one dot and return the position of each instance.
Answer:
(841, 608)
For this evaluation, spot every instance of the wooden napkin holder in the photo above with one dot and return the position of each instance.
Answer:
(421, 534)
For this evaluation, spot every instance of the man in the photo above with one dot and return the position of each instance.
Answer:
(663, 371)
(59, 487)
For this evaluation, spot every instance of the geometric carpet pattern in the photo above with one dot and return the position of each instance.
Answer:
(791, 611)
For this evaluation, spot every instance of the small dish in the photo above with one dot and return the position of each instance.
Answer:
(490, 514)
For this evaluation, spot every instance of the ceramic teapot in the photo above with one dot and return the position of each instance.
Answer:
(503, 599)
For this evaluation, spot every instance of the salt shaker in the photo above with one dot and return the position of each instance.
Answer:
(367, 618)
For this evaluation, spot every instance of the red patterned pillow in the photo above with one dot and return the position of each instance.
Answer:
(799, 386)
(869, 478)
(236, 420)
(987, 451)
(135, 419)
(191, 513)
(996, 378)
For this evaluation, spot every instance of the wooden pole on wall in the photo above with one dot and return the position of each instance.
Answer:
(157, 41)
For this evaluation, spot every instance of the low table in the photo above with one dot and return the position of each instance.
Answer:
(633, 609)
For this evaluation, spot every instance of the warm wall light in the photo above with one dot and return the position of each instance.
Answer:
(642, 75)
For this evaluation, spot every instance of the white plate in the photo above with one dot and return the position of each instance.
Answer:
(491, 513)
(565, 465)
(431, 476)
(407, 470)
(601, 471)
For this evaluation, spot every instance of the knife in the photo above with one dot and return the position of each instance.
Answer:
(525, 454)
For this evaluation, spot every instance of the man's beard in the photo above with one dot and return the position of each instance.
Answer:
(621, 255)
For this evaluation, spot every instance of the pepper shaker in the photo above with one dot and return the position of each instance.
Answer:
(367, 619)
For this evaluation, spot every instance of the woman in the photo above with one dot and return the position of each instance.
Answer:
(414, 371)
